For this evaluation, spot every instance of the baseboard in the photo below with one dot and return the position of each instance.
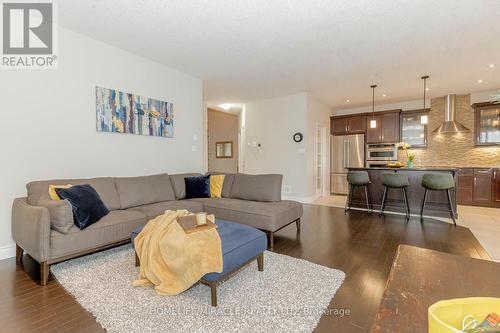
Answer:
(305, 200)
(7, 251)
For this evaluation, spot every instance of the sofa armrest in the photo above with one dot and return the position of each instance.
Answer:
(31, 228)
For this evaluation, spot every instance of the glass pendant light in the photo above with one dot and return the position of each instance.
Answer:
(373, 122)
(424, 119)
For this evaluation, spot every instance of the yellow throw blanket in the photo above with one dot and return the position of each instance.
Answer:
(172, 260)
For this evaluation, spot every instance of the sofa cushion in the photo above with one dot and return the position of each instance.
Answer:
(114, 227)
(265, 188)
(61, 215)
(179, 185)
(197, 187)
(88, 207)
(137, 191)
(38, 191)
(156, 209)
(228, 182)
(216, 184)
(269, 216)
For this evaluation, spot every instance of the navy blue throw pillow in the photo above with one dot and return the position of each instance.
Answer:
(197, 187)
(88, 207)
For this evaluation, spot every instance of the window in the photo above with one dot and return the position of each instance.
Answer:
(412, 130)
(487, 123)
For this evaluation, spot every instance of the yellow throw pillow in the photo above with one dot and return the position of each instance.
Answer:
(52, 190)
(216, 182)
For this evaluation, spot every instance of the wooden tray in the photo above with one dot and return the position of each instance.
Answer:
(188, 223)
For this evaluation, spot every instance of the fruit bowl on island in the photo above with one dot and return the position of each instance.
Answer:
(394, 165)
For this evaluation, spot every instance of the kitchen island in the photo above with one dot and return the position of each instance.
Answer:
(436, 204)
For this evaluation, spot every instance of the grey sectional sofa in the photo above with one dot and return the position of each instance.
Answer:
(44, 228)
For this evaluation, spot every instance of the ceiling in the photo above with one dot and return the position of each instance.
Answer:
(334, 49)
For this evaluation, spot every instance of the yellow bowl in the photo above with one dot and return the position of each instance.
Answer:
(447, 316)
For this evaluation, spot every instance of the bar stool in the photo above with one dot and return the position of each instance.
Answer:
(438, 182)
(357, 178)
(395, 180)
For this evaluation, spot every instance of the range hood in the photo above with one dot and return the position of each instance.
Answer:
(450, 125)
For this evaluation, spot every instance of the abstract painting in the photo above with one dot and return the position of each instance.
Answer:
(121, 112)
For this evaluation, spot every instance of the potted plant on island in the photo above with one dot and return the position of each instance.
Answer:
(409, 157)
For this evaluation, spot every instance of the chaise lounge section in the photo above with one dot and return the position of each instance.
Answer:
(44, 228)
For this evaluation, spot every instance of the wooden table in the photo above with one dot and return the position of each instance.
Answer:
(421, 277)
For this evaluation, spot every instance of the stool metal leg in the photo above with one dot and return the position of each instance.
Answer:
(384, 197)
(366, 198)
(407, 208)
(423, 205)
(452, 211)
(348, 200)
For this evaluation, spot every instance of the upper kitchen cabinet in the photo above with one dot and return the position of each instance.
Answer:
(345, 125)
(387, 129)
(412, 129)
(487, 127)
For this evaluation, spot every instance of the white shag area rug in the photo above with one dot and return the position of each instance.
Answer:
(290, 295)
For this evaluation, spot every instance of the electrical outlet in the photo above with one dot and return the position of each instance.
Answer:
(287, 189)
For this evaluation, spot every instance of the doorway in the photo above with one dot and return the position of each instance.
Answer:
(223, 141)
(320, 161)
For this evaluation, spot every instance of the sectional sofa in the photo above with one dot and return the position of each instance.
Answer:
(44, 228)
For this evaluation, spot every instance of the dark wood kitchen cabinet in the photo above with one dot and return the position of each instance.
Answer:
(482, 185)
(478, 187)
(388, 127)
(373, 135)
(465, 186)
(346, 125)
(496, 188)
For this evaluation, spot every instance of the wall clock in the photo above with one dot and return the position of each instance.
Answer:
(297, 137)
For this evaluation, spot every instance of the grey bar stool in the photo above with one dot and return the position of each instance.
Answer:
(395, 180)
(438, 182)
(357, 178)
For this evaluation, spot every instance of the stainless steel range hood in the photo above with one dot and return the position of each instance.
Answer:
(450, 125)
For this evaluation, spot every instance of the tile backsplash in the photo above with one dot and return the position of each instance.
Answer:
(453, 149)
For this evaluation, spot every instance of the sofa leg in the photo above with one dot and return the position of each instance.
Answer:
(260, 262)
(213, 293)
(137, 261)
(271, 240)
(44, 273)
(19, 253)
(297, 222)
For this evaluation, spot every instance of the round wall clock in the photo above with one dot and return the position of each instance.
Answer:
(297, 137)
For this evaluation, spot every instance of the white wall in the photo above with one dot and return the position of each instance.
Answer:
(406, 105)
(272, 123)
(47, 126)
(475, 97)
(483, 96)
(318, 115)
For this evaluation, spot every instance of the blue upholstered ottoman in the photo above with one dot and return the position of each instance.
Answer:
(241, 245)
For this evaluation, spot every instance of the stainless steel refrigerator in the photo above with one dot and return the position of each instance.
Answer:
(346, 151)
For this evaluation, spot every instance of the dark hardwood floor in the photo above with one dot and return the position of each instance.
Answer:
(361, 245)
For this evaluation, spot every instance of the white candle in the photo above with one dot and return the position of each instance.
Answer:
(201, 218)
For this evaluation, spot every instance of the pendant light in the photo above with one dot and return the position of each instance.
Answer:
(373, 122)
(424, 119)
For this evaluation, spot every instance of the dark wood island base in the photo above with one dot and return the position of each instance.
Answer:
(436, 202)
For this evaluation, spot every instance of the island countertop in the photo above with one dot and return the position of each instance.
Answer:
(437, 201)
